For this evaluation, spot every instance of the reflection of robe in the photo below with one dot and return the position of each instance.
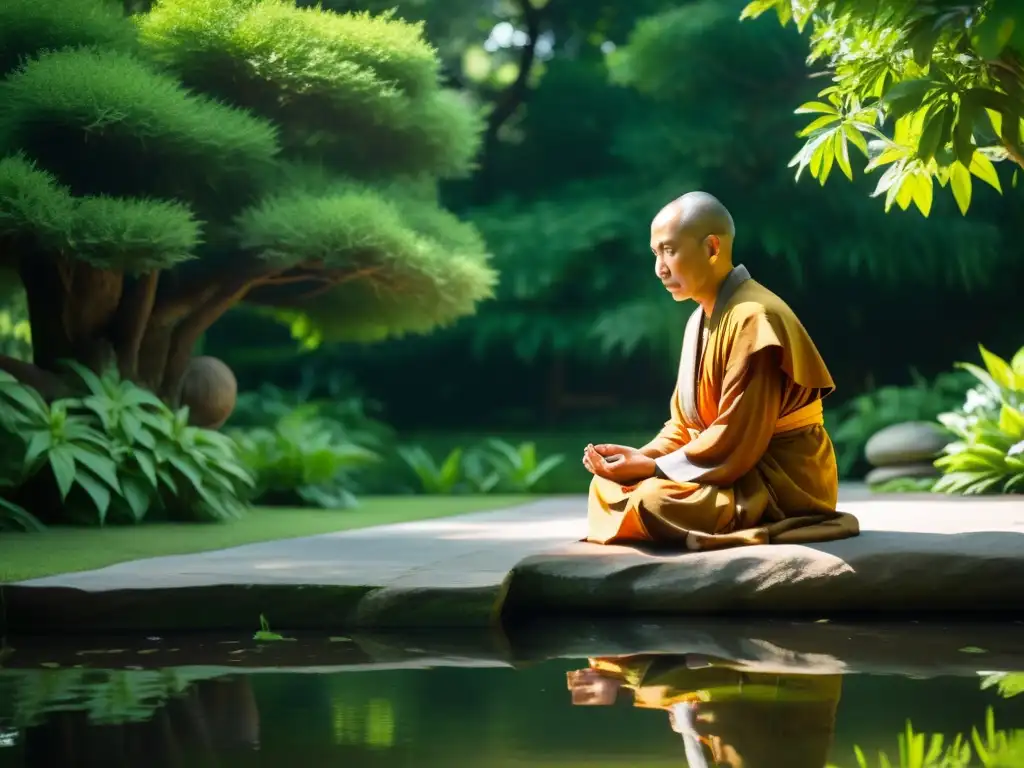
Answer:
(768, 720)
(745, 458)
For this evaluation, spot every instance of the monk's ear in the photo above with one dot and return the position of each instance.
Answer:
(714, 246)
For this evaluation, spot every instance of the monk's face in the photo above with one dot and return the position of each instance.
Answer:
(683, 262)
(589, 688)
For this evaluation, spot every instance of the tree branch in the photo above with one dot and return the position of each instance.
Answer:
(186, 333)
(48, 384)
(515, 94)
(131, 320)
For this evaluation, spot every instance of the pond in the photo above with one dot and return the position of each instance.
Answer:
(97, 707)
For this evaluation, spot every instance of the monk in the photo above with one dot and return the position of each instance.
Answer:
(725, 715)
(744, 458)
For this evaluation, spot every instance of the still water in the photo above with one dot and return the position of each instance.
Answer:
(646, 709)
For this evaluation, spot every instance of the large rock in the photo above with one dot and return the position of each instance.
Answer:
(880, 475)
(908, 443)
(913, 556)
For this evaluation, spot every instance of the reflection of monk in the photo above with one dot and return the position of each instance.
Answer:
(744, 458)
(726, 717)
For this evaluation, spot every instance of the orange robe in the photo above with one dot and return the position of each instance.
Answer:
(751, 719)
(744, 458)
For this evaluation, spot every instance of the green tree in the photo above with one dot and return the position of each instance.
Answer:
(158, 170)
(570, 233)
(932, 91)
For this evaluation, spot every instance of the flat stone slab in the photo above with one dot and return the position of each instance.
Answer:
(917, 555)
(443, 572)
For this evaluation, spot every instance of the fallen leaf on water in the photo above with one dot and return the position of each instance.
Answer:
(972, 649)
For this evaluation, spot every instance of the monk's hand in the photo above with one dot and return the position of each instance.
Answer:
(618, 463)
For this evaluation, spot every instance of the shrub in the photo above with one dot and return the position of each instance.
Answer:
(988, 455)
(495, 466)
(114, 453)
(854, 422)
(303, 459)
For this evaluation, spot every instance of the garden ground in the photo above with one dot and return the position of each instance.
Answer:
(65, 549)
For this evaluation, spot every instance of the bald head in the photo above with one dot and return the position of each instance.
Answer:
(691, 238)
(699, 214)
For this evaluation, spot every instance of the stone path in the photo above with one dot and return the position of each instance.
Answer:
(459, 570)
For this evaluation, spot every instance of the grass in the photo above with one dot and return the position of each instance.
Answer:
(64, 550)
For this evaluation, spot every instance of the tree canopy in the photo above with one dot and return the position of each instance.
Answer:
(930, 91)
(659, 115)
(157, 170)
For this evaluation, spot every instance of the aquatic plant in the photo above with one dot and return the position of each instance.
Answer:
(989, 748)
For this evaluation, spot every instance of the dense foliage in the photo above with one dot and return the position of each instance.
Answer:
(110, 451)
(988, 454)
(305, 451)
(156, 171)
(930, 91)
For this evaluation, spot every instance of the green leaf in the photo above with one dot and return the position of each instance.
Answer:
(98, 492)
(935, 132)
(842, 153)
(146, 464)
(21, 517)
(757, 7)
(189, 470)
(990, 36)
(102, 467)
(812, 107)
(1011, 421)
(90, 379)
(856, 138)
(1017, 363)
(28, 399)
(923, 192)
(63, 464)
(1000, 371)
(960, 183)
(138, 495)
(906, 96)
(825, 121)
(982, 167)
(38, 444)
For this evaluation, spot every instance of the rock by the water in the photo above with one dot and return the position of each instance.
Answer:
(881, 475)
(912, 442)
(941, 556)
(210, 390)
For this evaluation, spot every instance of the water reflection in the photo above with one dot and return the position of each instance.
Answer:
(725, 716)
(207, 722)
(713, 712)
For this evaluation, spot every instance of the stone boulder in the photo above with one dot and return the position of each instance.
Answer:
(912, 442)
(210, 391)
(880, 475)
(945, 556)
